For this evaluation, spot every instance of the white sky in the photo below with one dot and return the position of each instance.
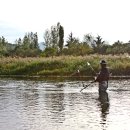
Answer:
(108, 18)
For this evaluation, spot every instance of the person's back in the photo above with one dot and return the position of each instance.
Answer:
(103, 77)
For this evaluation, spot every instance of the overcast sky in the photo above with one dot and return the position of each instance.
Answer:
(108, 18)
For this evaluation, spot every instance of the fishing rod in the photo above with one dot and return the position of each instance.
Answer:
(94, 80)
(78, 71)
(85, 86)
(94, 70)
(91, 67)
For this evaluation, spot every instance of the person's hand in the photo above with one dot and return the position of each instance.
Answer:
(78, 71)
(97, 74)
(95, 78)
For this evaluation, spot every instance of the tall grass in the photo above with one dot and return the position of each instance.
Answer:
(64, 65)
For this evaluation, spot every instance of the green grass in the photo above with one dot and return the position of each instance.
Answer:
(64, 65)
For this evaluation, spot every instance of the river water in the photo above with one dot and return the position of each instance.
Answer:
(49, 105)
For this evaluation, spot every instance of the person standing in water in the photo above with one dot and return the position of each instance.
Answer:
(103, 77)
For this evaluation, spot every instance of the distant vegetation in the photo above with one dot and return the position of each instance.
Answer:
(63, 65)
(55, 45)
(26, 58)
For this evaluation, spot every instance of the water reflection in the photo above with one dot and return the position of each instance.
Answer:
(30, 105)
(55, 105)
(104, 105)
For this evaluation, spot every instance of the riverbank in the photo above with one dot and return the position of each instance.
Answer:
(58, 78)
(63, 66)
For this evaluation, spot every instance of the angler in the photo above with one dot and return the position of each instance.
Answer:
(103, 77)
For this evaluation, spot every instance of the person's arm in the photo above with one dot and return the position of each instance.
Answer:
(98, 78)
(103, 75)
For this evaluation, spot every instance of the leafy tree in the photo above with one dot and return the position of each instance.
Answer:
(71, 40)
(97, 45)
(61, 38)
(54, 37)
(127, 47)
(88, 39)
(28, 46)
(19, 42)
(35, 41)
(75, 47)
(47, 38)
(49, 51)
(26, 42)
(3, 46)
(77, 50)
(104, 48)
(117, 48)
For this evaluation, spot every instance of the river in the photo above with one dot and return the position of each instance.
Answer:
(59, 105)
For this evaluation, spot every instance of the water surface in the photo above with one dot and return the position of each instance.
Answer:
(46, 105)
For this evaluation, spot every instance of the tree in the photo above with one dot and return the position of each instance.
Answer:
(118, 48)
(49, 51)
(72, 40)
(97, 45)
(75, 47)
(61, 38)
(3, 46)
(28, 46)
(35, 41)
(88, 39)
(54, 36)
(47, 38)
(19, 42)
(26, 42)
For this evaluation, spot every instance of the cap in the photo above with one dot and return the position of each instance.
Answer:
(103, 62)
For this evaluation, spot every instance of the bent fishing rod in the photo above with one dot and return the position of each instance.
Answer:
(85, 86)
(91, 67)
(92, 81)
(78, 71)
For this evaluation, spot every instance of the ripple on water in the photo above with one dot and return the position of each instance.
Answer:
(38, 105)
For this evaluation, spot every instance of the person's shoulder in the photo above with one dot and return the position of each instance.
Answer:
(106, 69)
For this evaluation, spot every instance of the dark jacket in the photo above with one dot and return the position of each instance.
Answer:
(103, 75)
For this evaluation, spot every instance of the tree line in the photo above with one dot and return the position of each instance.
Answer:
(54, 45)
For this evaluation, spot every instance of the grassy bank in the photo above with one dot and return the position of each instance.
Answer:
(63, 66)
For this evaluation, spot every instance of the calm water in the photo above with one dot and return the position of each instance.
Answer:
(42, 105)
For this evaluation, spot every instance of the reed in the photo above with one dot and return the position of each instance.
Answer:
(64, 65)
